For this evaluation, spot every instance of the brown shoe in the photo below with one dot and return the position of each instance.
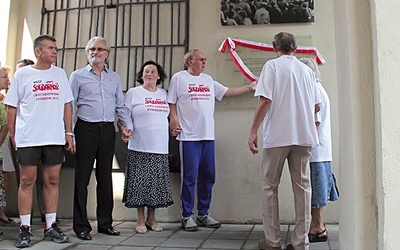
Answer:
(263, 245)
(290, 247)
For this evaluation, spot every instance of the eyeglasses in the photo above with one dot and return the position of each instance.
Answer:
(98, 49)
(201, 59)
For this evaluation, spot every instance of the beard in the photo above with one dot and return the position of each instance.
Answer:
(96, 60)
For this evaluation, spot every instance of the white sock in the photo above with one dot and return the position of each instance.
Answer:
(50, 218)
(25, 220)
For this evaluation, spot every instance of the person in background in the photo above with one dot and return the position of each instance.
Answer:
(288, 98)
(7, 166)
(322, 182)
(147, 182)
(98, 96)
(4, 81)
(48, 105)
(23, 62)
(191, 97)
(10, 156)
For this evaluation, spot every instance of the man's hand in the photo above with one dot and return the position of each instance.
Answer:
(253, 85)
(126, 134)
(70, 144)
(174, 126)
(253, 145)
(175, 131)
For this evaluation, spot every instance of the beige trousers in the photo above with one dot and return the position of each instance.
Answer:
(273, 160)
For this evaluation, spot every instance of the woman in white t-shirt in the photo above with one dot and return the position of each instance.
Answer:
(322, 180)
(147, 182)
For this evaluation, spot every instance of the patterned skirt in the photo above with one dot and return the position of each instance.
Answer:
(2, 191)
(147, 181)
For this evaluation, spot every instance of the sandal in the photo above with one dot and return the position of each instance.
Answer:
(141, 230)
(318, 237)
(155, 228)
(7, 222)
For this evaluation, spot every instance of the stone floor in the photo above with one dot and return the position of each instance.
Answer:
(228, 236)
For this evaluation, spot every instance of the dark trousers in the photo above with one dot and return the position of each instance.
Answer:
(94, 141)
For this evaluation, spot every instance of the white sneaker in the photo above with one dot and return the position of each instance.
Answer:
(188, 224)
(207, 221)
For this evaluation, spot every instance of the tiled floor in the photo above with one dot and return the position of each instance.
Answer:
(228, 236)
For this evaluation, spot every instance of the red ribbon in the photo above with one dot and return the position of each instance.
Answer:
(232, 43)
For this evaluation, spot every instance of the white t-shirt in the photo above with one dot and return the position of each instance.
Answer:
(39, 96)
(291, 87)
(194, 97)
(149, 112)
(323, 151)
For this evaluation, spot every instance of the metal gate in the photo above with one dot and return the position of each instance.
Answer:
(137, 31)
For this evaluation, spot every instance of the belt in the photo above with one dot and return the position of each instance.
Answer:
(100, 124)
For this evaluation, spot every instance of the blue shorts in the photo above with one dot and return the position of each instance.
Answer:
(322, 184)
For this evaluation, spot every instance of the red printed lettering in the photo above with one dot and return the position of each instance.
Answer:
(200, 88)
(49, 85)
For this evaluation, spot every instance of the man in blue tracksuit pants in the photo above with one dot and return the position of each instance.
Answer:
(191, 96)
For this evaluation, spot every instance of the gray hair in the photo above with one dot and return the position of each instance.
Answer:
(189, 56)
(95, 39)
(310, 62)
(6, 68)
(38, 42)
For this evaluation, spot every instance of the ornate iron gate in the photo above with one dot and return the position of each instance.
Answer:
(137, 30)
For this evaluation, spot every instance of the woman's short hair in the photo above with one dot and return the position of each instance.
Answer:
(310, 62)
(5, 68)
(160, 70)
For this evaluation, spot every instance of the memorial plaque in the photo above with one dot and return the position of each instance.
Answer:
(231, 76)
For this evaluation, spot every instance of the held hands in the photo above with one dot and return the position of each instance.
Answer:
(174, 127)
(126, 134)
(175, 131)
(253, 145)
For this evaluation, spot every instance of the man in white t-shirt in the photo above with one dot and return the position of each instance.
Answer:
(288, 99)
(39, 119)
(191, 96)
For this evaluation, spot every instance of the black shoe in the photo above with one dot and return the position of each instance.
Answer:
(24, 237)
(84, 235)
(109, 231)
(318, 237)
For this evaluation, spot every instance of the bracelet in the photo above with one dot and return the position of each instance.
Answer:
(70, 133)
(250, 88)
